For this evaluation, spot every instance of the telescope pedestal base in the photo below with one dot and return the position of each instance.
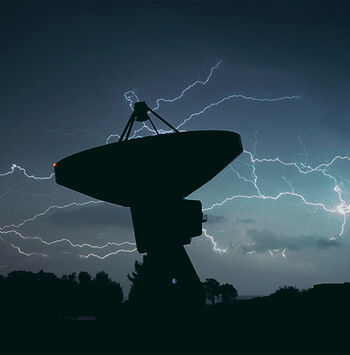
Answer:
(167, 278)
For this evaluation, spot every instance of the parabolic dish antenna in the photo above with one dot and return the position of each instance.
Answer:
(153, 175)
(169, 166)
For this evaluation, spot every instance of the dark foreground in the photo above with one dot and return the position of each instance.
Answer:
(260, 326)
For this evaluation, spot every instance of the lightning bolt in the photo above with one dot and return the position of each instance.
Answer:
(71, 133)
(284, 252)
(4, 230)
(107, 255)
(213, 242)
(10, 189)
(15, 167)
(40, 214)
(189, 87)
(235, 96)
(204, 109)
(341, 208)
(66, 240)
(26, 254)
(131, 97)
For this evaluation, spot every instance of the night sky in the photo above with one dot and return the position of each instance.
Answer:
(276, 72)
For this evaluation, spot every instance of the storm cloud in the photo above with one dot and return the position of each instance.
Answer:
(261, 241)
(66, 70)
(92, 215)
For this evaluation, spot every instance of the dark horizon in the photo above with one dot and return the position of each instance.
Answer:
(55, 317)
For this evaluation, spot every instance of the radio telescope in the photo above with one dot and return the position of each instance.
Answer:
(152, 176)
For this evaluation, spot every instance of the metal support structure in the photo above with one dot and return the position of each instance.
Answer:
(130, 127)
(154, 127)
(126, 127)
(140, 114)
(163, 120)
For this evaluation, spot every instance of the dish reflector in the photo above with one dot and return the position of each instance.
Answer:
(167, 166)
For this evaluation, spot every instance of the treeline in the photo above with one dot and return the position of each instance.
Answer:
(43, 295)
(32, 305)
(217, 293)
(145, 290)
(321, 295)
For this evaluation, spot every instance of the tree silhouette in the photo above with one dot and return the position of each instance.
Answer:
(47, 290)
(108, 296)
(69, 285)
(138, 279)
(85, 279)
(212, 289)
(43, 296)
(136, 273)
(228, 293)
(21, 283)
(4, 296)
(286, 292)
(85, 294)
